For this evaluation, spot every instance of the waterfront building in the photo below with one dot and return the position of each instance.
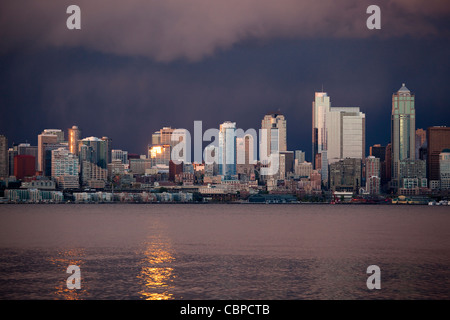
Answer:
(403, 131)
(345, 175)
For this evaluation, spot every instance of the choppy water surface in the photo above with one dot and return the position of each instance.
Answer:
(156, 251)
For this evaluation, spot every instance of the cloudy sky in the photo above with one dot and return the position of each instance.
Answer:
(136, 66)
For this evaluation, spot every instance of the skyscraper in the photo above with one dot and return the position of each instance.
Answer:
(120, 155)
(346, 132)
(421, 138)
(94, 150)
(438, 139)
(338, 133)
(44, 139)
(74, 137)
(403, 131)
(227, 149)
(373, 175)
(275, 124)
(64, 163)
(300, 156)
(444, 169)
(320, 108)
(57, 132)
(4, 161)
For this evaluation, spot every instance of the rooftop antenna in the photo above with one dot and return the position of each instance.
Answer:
(322, 87)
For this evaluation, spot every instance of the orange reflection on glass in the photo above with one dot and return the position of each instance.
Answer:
(62, 261)
(156, 272)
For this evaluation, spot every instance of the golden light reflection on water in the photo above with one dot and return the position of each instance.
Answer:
(156, 272)
(62, 261)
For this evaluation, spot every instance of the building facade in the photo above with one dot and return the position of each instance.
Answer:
(4, 157)
(403, 131)
(438, 139)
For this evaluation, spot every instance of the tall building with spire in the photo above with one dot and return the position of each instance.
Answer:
(403, 131)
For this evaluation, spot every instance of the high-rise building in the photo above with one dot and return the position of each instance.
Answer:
(403, 131)
(24, 166)
(388, 163)
(48, 156)
(27, 149)
(64, 163)
(346, 133)
(438, 139)
(12, 152)
(227, 149)
(300, 156)
(74, 137)
(286, 163)
(245, 161)
(275, 125)
(156, 138)
(159, 154)
(444, 169)
(4, 159)
(421, 138)
(120, 155)
(320, 107)
(378, 151)
(108, 142)
(373, 175)
(338, 133)
(94, 150)
(57, 132)
(44, 139)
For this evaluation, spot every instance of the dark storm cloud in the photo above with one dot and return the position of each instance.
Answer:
(170, 29)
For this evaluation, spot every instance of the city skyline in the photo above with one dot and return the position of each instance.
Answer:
(53, 77)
